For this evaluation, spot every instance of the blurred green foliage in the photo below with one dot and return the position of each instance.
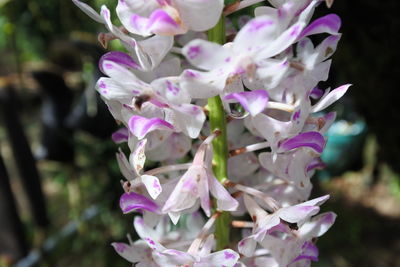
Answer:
(29, 26)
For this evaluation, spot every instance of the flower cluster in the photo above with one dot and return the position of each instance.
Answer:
(266, 80)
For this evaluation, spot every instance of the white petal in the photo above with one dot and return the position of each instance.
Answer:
(203, 84)
(168, 90)
(327, 47)
(124, 166)
(204, 195)
(176, 146)
(189, 118)
(111, 90)
(283, 41)
(144, 230)
(224, 200)
(200, 15)
(206, 55)
(226, 257)
(271, 72)
(207, 246)
(256, 212)
(121, 74)
(317, 226)
(330, 98)
(125, 8)
(132, 253)
(152, 185)
(247, 246)
(271, 129)
(186, 192)
(89, 11)
(174, 216)
(152, 51)
(138, 157)
(255, 34)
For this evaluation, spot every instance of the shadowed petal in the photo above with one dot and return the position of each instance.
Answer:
(253, 101)
(328, 24)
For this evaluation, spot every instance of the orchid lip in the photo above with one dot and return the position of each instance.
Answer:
(135, 202)
(313, 140)
(118, 58)
(140, 126)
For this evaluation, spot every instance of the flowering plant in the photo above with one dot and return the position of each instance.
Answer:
(247, 110)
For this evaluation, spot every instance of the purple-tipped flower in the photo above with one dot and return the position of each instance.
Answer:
(159, 90)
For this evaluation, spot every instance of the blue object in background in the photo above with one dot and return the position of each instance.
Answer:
(344, 146)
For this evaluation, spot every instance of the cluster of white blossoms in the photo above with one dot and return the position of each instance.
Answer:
(267, 81)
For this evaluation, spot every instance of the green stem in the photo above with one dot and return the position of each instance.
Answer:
(220, 144)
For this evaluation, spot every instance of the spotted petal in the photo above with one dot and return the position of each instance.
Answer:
(138, 157)
(206, 55)
(152, 185)
(226, 257)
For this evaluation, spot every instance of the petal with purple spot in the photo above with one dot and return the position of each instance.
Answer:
(152, 185)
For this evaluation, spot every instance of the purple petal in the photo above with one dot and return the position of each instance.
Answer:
(120, 58)
(160, 15)
(310, 252)
(253, 101)
(160, 22)
(140, 126)
(328, 24)
(131, 202)
(316, 93)
(316, 163)
(329, 218)
(120, 136)
(313, 140)
(120, 247)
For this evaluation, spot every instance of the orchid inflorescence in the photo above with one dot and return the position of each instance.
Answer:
(250, 113)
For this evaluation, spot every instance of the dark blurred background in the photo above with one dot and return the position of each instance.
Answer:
(59, 179)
